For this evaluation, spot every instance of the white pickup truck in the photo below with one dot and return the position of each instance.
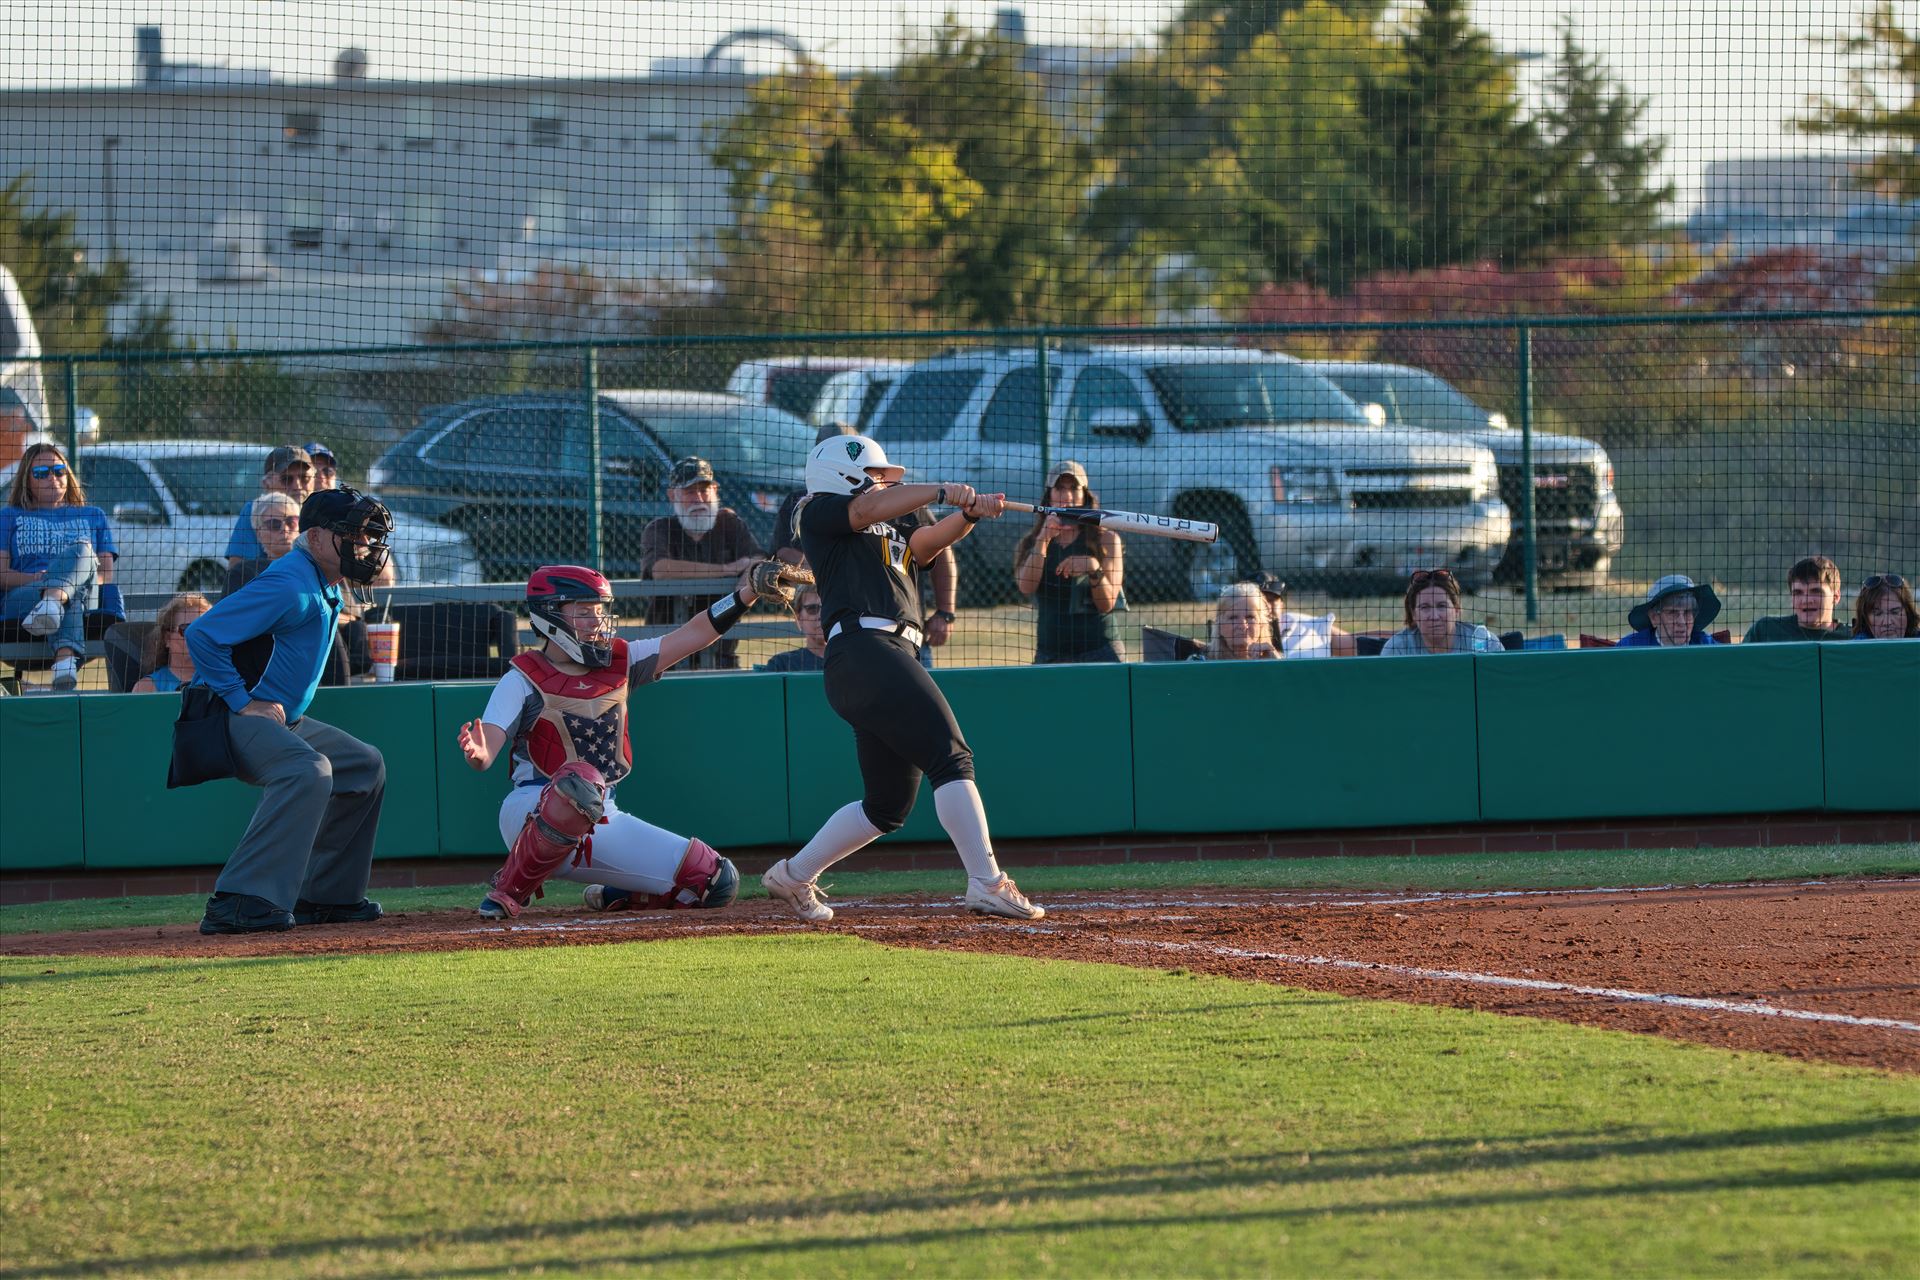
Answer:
(1299, 479)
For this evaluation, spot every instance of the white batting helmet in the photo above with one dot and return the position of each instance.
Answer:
(840, 465)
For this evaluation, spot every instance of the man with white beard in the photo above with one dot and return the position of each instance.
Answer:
(701, 539)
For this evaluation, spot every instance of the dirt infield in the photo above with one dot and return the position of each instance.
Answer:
(1812, 970)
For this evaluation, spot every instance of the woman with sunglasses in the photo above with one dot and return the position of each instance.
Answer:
(1885, 609)
(56, 559)
(811, 656)
(275, 519)
(1434, 624)
(167, 661)
(1072, 572)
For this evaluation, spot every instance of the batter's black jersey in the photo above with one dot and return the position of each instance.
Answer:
(866, 572)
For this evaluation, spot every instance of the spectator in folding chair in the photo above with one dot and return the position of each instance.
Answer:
(1434, 624)
(56, 559)
(1813, 588)
(811, 656)
(289, 471)
(1884, 609)
(1302, 635)
(1676, 612)
(1242, 625)
(166, 662)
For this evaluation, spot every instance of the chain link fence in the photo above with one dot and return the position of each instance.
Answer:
(1555, 467)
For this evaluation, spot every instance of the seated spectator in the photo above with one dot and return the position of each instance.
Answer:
(166, 660)
(275, 518)
(1675, 612)
(1813, 585)
(1434, 624)
(56, 559)
(1303, 635)
(701, 539)
(811, 656)
(1242, 625)
(1073, 572)
(326, 468)
(1885, 609)
(289, 470)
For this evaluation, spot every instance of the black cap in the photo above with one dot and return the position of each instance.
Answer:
(1270, 586)
(689, 471)
(349, 508)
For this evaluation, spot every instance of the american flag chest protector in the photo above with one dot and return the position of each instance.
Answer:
(582, 716)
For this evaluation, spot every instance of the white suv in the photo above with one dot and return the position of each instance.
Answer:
(794, 383)
(1299, 479)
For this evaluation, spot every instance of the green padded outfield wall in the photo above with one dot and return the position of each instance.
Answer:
(1050, 746)
(709, 760)
(1643, 732)
(42, 817)
(1870, 702)
(141, 824)
(1259, 746)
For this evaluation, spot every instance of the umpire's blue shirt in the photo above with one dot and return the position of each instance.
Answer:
(289, 601)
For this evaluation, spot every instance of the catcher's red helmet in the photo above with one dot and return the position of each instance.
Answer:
(553, 586)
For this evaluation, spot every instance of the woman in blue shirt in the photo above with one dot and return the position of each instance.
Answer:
(56, 559)
(166, 663)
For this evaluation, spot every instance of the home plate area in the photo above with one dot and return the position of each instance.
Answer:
(1816, 969)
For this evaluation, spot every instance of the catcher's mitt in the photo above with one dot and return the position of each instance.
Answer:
(778, 581)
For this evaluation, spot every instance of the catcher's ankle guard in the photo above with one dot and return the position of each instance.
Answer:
(705, 879)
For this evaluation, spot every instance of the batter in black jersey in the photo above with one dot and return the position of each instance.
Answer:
(866, 543)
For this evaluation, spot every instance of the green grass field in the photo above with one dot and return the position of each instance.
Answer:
(821, 1105)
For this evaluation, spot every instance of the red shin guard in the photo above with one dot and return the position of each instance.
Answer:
(565, 815)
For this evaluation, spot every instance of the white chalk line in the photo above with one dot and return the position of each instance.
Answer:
(1754, 1007)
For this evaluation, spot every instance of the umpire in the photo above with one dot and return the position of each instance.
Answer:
(307, 854)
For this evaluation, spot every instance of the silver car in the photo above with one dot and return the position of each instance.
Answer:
(1300, 481)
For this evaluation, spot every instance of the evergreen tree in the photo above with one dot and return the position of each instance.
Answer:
(1597, 185)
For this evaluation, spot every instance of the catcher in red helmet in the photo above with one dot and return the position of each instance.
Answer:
(563, 707)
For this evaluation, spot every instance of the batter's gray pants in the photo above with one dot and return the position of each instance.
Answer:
(312, 835)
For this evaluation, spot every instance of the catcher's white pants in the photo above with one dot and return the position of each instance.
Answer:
(627, 852)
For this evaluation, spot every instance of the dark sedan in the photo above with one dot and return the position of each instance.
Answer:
(513, 471)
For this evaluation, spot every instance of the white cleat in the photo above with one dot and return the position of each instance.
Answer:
(1001, 897)
(801, 896)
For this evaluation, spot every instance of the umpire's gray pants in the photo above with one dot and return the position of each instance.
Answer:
(312, 835)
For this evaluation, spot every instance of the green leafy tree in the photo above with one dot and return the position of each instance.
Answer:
(1884, 53)
(72, 299)
(1598, 184)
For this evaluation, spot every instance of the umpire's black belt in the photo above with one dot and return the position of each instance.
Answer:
(906, 630)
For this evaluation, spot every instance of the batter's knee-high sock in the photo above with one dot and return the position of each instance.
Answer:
(965, 821)
(847, 831)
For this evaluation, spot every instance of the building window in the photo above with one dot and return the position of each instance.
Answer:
(301, 129)
(546, 123)
(418, 122)
(421, 224)
(663, 120)
(305, 226)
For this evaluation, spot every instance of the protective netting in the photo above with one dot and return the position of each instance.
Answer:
(1561, 308)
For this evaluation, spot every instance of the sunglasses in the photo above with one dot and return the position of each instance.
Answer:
(1422, 577)
(1879, 580)
(289, 523)
(809, 610)
(57, 470)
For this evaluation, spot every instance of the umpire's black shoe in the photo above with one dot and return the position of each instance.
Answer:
(244, 913)
(360, 912)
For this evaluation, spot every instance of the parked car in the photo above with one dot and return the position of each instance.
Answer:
(793, 383)
(849, 398)
(513, 471)
(1581, 525)
(173, 504)
(1298, 479)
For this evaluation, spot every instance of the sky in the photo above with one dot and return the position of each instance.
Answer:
(1723, 76)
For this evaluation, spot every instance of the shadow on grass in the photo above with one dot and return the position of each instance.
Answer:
(1153, 1183)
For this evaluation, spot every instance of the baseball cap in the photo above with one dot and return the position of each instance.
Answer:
(318, 450)
(689, 471)
(1068, 468)
(287, 455)
(1270, 586)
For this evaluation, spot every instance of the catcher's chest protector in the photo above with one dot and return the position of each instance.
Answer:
(582, 716)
